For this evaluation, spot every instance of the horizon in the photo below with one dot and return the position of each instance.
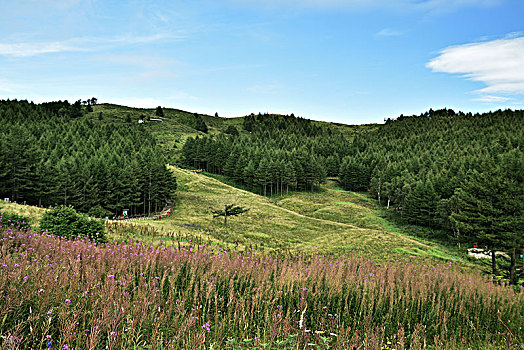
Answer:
(338, 61)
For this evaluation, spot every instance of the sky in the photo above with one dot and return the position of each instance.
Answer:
(346, 61)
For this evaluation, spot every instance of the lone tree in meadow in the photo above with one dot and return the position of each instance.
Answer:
(229, 210)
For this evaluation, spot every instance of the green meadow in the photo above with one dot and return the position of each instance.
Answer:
(331, 221)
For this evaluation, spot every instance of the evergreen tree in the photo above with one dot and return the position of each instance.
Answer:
(200, 125)
(480, 212)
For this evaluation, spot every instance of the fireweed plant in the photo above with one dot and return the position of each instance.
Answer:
(64, 294)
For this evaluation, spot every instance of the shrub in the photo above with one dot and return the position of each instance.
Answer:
(64, 221)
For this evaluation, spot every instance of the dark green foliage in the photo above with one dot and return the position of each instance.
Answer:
(64, 221)
(231, 130)
(229, 210)
(279, 153)
(200, 125)
(490, 209)
(99, 212)
(159, 112)
(49, 158)
(421, 204)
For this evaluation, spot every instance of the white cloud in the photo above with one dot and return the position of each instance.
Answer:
(77, 44)
(499, 64)
(492, 99)
(32, 49)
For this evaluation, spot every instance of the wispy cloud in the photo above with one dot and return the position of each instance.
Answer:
(401, 5)
(78, 44)
(389, 32)
(492, 99)
(499, 64)
(32, 49)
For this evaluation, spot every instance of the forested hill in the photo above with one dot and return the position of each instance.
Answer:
(460, 172)
(53, 153)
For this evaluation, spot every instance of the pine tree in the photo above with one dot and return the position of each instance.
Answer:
(159, 112)
(479, 210)
(263, 174)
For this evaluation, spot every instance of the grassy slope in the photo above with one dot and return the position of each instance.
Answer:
(332, 221)
(178, 125)
(34, 214)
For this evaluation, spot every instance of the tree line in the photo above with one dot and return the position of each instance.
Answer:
(280, 153)
(50, 154)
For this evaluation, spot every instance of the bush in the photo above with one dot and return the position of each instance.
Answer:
(14, 220)
(64, 221)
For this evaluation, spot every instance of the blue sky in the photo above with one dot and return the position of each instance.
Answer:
(349, 61)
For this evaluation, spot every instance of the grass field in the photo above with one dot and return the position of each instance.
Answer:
(331, 222)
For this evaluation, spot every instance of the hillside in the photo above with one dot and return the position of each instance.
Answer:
(332, 221)
(178, 125)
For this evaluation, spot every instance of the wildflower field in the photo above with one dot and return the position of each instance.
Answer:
(65, 294)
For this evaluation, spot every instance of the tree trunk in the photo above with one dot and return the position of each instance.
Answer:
(225, 218)
(149, 196)
(512, 275)
(494, 263)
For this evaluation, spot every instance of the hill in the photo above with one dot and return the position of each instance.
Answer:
(332, 221)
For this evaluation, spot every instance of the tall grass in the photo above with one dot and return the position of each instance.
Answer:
(65, 294)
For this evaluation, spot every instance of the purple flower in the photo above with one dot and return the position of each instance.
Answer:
(206, 326)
